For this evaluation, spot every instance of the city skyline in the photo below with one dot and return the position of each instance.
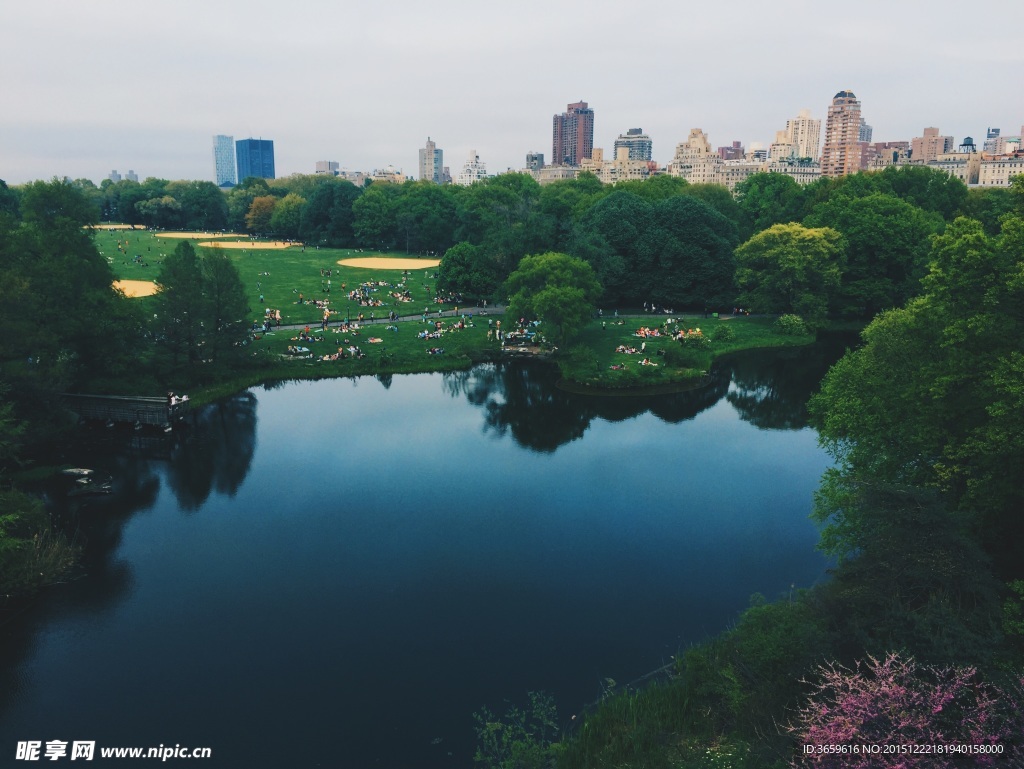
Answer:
(74, 114)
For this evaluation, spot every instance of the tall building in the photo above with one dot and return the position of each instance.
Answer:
(572, 135)
(114, 176)
(131, 176)
(637, 142)
(805, 134)
(534, 161)
(841, 154)
(224, 160)
(432, 163)
(474, 170)
(255, 158)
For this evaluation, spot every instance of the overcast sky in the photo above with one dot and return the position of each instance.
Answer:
(87, 87)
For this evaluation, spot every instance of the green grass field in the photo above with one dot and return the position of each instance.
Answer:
(281, 275)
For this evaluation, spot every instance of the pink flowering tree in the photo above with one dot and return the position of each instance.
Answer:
(871, 717)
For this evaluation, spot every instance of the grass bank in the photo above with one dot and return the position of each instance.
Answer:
(596, 359)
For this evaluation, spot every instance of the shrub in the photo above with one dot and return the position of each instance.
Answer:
(723, 334)
(894, 701)
(791, 325)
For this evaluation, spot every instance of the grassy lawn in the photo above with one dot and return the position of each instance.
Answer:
(675, 364)
(281, 275)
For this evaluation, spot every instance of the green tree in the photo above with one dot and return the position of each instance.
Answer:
(466, 269)
(932, 398)
(163, 212)
(57, 203)
(179, 305)
(888, 241)
(226, 311)
(286, 217)
(203, 205)
(769, 198)
(789, 268)
(373, 216)
(327, 216)
(558, 289)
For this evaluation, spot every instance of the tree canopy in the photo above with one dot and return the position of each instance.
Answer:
(558, 289)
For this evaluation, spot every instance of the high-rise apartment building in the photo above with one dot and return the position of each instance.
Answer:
(255, 158)
(637, 142)
(224, 161)
(572, 135)
(432, 163)
(805, 134)
(841, 154)
(534, 161)
(131, 176)
(114, 176)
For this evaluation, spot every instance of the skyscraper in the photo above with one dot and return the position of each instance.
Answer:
(805, 134)
(841, 154)
(432, 163)
(637, 142)
(224, 160)
(255, 158)
(572, 135)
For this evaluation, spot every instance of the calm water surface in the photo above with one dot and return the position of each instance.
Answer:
(339, 573)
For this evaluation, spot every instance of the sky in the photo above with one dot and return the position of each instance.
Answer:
(88, 87)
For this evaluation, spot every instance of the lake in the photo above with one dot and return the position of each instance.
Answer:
(340, 573)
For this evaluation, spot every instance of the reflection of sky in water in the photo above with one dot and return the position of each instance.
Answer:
(387, 551)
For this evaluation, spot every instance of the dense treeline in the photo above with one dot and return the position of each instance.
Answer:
(661, 241)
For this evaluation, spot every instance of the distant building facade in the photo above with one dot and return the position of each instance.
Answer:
(841, 154)
(328, 167)
(927, 148)
(114, 176)
(473, 170)
(804, 133)
(534, 161)
(255, 157)
(572, 135)
(131, 176)
(619, 169)
(432, 163)
(733, 152)
(224, 161)
(637, 143)
(865, 131)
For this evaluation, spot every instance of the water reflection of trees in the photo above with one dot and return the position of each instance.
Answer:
(772, 387)
(215, 453)
(524, 400)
